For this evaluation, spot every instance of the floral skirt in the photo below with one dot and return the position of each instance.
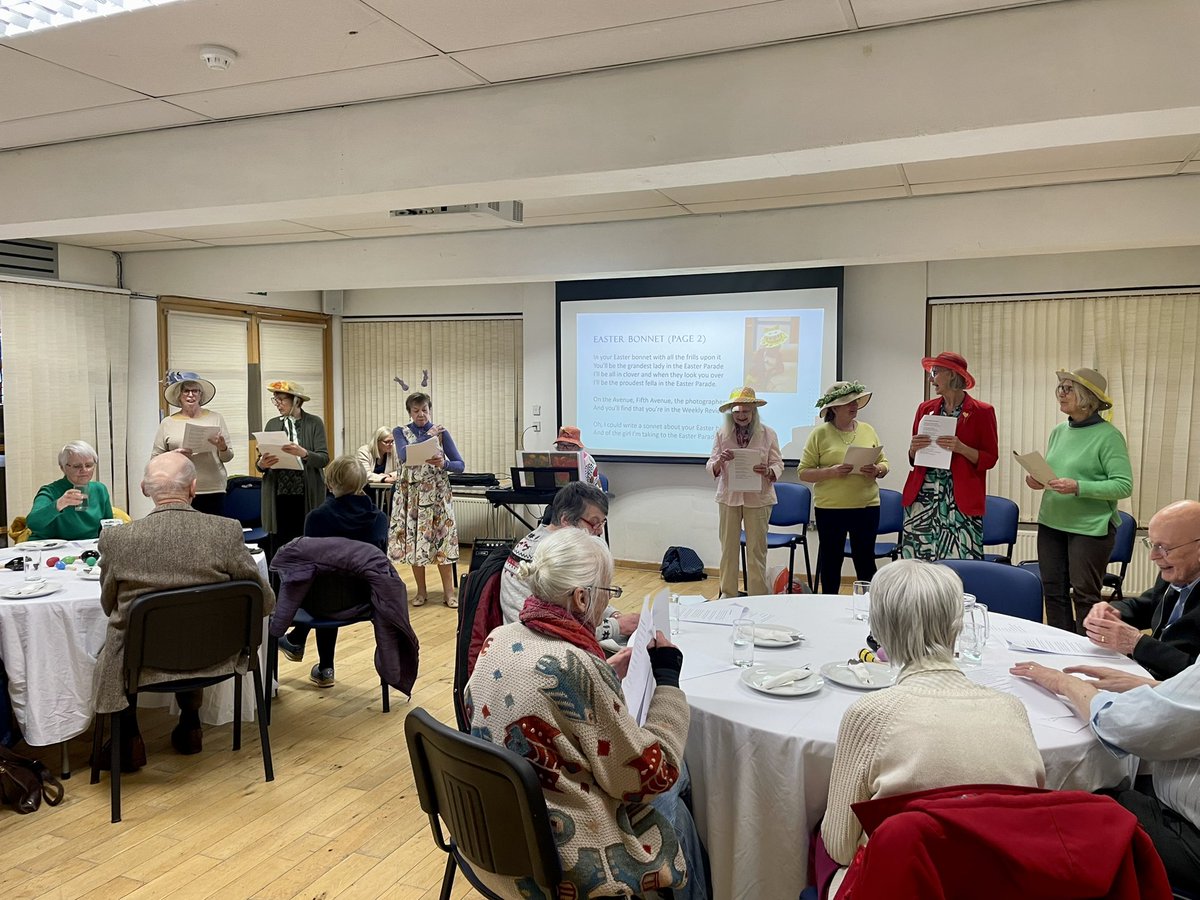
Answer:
(934, 528)
(423, 530)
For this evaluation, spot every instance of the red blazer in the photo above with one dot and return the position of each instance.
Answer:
(998, 842)
(977, 429)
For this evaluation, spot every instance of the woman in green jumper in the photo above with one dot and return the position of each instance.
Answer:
(71, 508)
(1078, 519)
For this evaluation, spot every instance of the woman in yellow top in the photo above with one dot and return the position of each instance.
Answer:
(847, 502)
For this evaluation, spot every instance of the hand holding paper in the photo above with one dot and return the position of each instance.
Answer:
(271, 444)
(742, 476)
(1035, 464)
(861, 456)
(934, 427)
(420, 454)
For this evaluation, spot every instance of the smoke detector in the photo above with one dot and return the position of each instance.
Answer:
(218, 58)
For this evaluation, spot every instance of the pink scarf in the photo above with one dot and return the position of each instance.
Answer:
(554, 621)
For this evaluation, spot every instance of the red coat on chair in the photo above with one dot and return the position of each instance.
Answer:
(999, 842)
(976, 428)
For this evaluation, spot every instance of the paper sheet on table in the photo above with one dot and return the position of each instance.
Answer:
(861, 456)
(419, 454)
(691, 599)
(272, 442)
(708, 614)
(1035, 464)
(196, 437)
(740, 474)
(933, 456)
(1064, 645)
(697, 664)
(1041, 704)
(638, 685)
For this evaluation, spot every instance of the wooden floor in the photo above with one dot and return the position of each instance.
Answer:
(341, 818)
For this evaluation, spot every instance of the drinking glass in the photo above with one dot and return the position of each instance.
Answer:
(743, 643)
(673, 609)
(32, 565)
(83, 489)
(862, 600)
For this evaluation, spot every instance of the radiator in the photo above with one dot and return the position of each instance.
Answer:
(1139, 576)
(477, 518)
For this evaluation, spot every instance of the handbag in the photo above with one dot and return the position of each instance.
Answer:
(25, 782)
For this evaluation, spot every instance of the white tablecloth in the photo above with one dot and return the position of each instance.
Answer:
(761, 765)
(49, 647)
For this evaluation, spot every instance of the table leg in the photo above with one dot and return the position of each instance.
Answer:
(66, 760)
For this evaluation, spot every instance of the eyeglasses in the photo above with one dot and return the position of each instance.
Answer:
(388, 441)
(1160, 550)
(614, 591)
(191, 390)
(597, 525)
(1064, 387)
(80, 467)
(277, 399)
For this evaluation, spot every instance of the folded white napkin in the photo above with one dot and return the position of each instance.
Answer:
(788, 677)
(860, 672)
(31, 587)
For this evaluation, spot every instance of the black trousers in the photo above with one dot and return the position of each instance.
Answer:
(1072, 563)
(833, 526)
(1175, 838)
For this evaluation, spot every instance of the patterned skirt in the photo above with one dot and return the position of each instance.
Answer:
(934, 528)
(423, 530)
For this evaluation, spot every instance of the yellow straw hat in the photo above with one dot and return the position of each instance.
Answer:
(743, 396)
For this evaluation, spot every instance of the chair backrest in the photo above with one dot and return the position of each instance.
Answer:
(478, 613)
(793, 505)
(489, 798)
(1000, 518)
(891, 511)
(1122, 551)
(333, 592)
(1011, 590)
(604, 482)
(243, 499)
(185, 629)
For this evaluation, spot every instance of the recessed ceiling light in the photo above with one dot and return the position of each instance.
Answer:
(21, 16)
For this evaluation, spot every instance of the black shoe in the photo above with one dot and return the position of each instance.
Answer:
(322, 678)
(133, 755)
(292, 651)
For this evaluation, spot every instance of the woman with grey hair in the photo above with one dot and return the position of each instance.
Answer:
(71, 508)
(1077, 522)
(543, 689)
(934, 727)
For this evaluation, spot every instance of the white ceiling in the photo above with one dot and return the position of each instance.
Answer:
(142, 71)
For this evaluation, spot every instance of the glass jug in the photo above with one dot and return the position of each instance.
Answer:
(975, 632)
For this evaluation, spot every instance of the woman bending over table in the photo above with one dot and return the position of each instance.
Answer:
(378, 458)
(71, 508)
(935, 727)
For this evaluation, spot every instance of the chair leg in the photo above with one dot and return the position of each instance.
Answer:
(272, 671)
(791, 567)
(115, 764)
(808, 568)
(97, 744)
(387, 703)
(237, 712)
(263, 736)
(745, 572)
(448, 878)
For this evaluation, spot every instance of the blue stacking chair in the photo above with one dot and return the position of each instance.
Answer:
(891, 521)
(1011, 590)
(243, 501)
(1000, 517)
(793, 507)
(1122, 553)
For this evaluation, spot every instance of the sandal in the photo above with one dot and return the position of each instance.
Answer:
(452, 602)
(419, 600)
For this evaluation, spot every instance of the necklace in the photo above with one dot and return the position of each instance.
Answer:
(847, 437)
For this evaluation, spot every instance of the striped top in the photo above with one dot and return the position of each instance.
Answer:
(1162, 726)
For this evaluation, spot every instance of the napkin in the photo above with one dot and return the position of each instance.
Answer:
(860, 671)
(788, 677)
(31, 587)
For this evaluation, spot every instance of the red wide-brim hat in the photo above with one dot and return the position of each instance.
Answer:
(952, 361)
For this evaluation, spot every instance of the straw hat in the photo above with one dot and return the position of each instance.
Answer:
(175, 380)
(952, 361)
(773, 337)
(743, 396)
(841, 393)
(288, 387)
(569, 434)
(1090, 379)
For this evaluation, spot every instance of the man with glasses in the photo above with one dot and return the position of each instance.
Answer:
(576, 505)
(1170, 609)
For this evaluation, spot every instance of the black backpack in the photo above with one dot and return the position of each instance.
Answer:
(682, 564)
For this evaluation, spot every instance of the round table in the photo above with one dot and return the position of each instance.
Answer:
(760, 765)
(49, 646)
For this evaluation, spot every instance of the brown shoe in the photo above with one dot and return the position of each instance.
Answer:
(133, 755)
(187, 739)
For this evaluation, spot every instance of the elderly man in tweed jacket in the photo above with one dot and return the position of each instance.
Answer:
(173, 547)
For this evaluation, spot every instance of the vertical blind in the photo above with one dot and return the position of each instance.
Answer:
(474, 374)
(1146, 346)
(71, 346)
(294, 352)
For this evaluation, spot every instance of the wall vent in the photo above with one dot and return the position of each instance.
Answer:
(29, 259)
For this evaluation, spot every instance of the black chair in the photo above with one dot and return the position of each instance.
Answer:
(478, 601)
(491, 803)
(326, 595)
(186, 630)
(243, 501)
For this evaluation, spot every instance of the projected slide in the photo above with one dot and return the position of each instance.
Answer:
(643, 377)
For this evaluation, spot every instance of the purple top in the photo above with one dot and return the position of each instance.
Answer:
(454, 460)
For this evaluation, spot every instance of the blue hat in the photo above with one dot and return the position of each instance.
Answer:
(175, 380)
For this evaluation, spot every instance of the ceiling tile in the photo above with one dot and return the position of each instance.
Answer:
(105, 238)
(307, 237)
(791, 186)
(233, 230)
(433, 225)
(34, 87)
(1192, 167)
(1018, 181)
(464, 24)
(1055, 159)
(141, 115)
(157, 50)
(618, 215)
(158, 245)
(557, 206)
(831, 197)
(702, 33)
(889, 12)
(352, 222)
(414, 76)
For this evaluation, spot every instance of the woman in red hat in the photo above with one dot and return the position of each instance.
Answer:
(943, 508)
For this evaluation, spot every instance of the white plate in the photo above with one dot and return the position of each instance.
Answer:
(882, 675)
(27, 591)
(51, 544)
(776, 636)
(92, 574)
(754, 677)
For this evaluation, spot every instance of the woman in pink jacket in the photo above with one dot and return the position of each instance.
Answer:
(744, 510)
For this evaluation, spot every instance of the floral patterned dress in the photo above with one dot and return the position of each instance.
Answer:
(423, 530)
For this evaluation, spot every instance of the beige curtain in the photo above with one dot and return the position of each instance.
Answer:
(1146, 345)
(474, 372)
(294, 351)
(66, 372)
